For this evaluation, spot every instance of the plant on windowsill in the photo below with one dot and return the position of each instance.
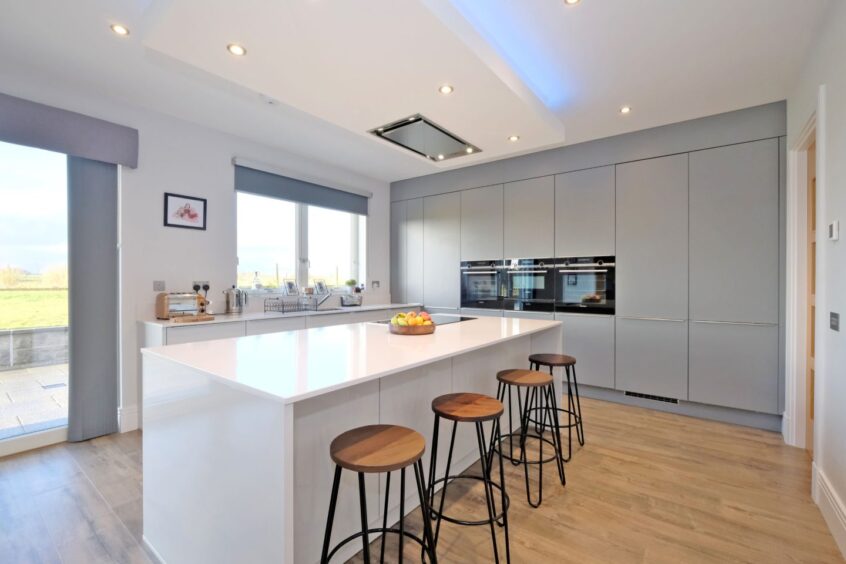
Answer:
(350, 284)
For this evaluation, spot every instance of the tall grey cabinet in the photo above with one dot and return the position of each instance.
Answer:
(406, 251)
(399, 255)
(482, 223)
(529, 226)
(652, 276)
(734, 275)
(441, 251)
(584, 213)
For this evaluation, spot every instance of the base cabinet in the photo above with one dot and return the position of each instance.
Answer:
(734, 365)
(264, 326)
(528, 314)
(652, 357)
(476, 312)
(590, 339)
(210, 332)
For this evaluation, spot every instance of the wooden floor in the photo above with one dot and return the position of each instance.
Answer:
(647, 487)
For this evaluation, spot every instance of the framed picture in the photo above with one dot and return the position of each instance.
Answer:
(187, 212)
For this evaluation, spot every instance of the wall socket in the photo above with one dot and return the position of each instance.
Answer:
(834, 320)
(199, 283)
(158, 285)
(374, 284)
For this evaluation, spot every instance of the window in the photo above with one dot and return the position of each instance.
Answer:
(274, 236)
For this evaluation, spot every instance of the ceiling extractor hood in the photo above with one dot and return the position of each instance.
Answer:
(425, 138)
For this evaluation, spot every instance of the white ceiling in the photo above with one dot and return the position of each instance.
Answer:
(550, 73)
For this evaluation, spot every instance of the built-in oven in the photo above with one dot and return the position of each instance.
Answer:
(482, 284)
(529, 285)
(585, 285)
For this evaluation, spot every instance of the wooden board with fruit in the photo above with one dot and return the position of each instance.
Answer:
(412, 323)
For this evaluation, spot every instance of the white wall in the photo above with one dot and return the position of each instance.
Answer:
(826, 67)
(177, 156)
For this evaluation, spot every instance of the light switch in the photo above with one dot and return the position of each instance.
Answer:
(158, 285)
(834, 230)
(834, 321)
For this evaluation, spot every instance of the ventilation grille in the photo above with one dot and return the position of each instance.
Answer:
(653, 398)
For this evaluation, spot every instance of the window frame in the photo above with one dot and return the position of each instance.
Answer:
(301, 259)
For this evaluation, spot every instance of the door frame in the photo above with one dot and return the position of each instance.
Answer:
(796, 322)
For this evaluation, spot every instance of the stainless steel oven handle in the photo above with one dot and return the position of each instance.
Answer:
(577, 265)
(528, 272)
(582, 271)
(476, 272)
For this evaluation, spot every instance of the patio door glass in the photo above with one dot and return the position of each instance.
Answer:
(33, 290)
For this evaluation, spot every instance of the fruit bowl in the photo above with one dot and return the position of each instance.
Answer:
(415, 330)
(412, 323)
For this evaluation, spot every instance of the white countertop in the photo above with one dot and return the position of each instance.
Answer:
(294, 365)
(256, 315)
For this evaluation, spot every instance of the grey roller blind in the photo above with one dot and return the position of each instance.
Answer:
(285, 188)
(35, 125)
(93, 307)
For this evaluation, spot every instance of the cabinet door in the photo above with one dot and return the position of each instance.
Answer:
(734, 233)
(328, 319)
(584, 213)
(651, 357)
(529, 315)
(276, 325)
(439, 269)
(209, 332)
(481, 223)
(399, 251)
(734, 365)
(530, 218)
(476, 312)
(652, 222)
(414, 251)
(590, 339)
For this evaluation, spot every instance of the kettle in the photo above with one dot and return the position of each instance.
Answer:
(236, 299)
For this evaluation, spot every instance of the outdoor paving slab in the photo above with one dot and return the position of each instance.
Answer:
(33, 399)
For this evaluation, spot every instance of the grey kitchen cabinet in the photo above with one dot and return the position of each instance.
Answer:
(584, 213)
(651, 357)
(407, 251)
(652, 238)
(734, 365)
(441, 251)
(414, 251)
(478, 312)
(529, 315)
(275, 325)
(529, 225)
(590, 340)
(205, 332)
(481, 223)
(734, 233)
(399, 251)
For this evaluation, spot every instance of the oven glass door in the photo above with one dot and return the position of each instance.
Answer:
(586, 288)
(478, 287)
(530, 284)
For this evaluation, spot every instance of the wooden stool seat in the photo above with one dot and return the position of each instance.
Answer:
(525, 378)
(552, 359)
(467, 407)
(377, 448)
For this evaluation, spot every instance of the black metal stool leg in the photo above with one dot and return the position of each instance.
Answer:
(333, 500)
(364, 526)
(402, 514)
(385, 516)
(503, 496)
(433, 462)
(580, 427)
(483, 457)
(427, 525)
(556, 432)
(444, 488)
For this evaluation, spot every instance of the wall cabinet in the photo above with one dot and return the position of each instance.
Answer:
(439, 269)
(734, 365)
(734, 233)
(584, 213)
(651, 357)
(652, 222)
(590, 339)
(529, 225)
(482, 223)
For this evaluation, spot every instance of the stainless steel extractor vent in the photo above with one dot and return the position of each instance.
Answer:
(429, 140)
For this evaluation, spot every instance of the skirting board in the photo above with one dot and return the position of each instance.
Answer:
(129, 418)
(831, 506)
(764, 421)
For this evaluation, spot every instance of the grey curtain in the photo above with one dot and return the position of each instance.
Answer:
(285, 188)
(93, 307)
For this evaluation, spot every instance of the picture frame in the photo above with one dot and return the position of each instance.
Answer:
(186, 212)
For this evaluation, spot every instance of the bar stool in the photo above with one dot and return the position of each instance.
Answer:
(574, 406)
(375, 449)
(478, 409)
(535, 384)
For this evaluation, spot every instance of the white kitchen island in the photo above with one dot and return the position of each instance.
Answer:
(237, 431)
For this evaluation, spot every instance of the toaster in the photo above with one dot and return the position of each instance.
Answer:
(179, 304)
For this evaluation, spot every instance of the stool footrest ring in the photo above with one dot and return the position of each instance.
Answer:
(359, 534)
(435, 514)
(498, 447)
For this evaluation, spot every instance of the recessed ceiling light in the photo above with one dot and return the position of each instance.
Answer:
(120, 29)
(446, 89)
(440, 157)
(626, 110)
(514, 138)
(381, 129)
(237, 50)
(572, 2)
(469, 150)
(412, 118)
